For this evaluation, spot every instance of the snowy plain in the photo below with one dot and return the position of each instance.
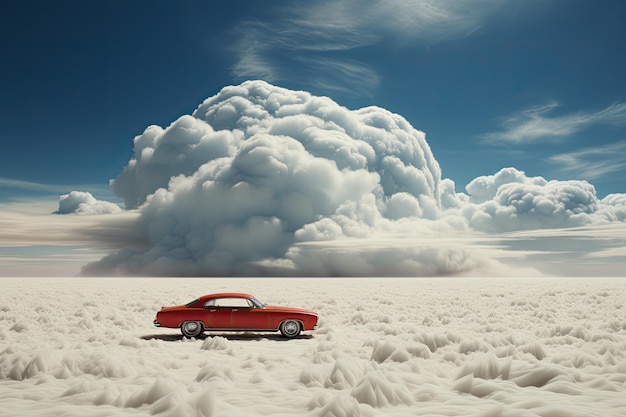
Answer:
(384, 347)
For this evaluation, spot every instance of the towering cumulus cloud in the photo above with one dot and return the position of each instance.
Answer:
(264, 180)
(283, 142)
(258, 169)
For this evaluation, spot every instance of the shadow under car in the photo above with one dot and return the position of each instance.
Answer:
(229, 336)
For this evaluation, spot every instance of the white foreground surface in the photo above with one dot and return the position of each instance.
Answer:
(385, 347)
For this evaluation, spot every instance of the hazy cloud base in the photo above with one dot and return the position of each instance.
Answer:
(262, 180)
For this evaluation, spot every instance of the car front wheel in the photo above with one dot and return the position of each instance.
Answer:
(191, 329)
(290, 328)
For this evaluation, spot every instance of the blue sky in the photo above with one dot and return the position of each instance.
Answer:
(80, 81)
(536, 84)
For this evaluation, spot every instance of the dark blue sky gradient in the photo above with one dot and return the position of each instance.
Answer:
(80, 79)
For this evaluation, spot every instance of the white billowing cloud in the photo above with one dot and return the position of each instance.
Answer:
(163, 153)
(80, 202)
(260, 134)
(258, 168)
(535, 123)
(485, 188)
(262, 180)
(612, 208)
(509, 200)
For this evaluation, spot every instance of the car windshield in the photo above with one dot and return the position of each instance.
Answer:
(257, 303)
(189, 304)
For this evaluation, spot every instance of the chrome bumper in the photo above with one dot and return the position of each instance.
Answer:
(156, 323)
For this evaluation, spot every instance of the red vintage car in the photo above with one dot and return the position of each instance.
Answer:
(235, 312)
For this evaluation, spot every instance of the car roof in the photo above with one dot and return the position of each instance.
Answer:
(227, 295)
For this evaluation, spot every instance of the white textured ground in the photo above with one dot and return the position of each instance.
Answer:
(392, 347)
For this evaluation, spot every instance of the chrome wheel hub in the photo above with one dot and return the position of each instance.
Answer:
(291, 327)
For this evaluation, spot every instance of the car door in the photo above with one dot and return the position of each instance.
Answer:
(218, 317)
(248, 318)
(217, 313)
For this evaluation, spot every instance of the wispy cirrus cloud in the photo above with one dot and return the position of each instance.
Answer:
(298, 44)
(31, 186)
(593, 163)
(37, 188)
(537, 123)
(344, 74)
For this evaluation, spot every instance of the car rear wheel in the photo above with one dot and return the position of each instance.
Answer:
(191, 329)
(290, 328)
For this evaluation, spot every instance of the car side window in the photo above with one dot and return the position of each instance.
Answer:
(232, 302)
(210, 303)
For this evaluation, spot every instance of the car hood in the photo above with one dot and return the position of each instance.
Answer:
(280, 309)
